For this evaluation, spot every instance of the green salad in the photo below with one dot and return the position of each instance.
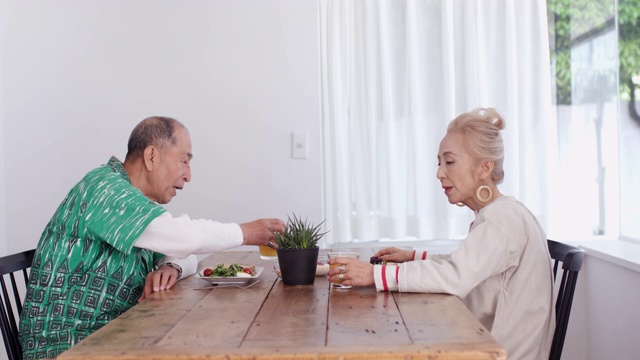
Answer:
(223, 271)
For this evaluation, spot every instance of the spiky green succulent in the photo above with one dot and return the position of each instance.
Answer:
(299, 234)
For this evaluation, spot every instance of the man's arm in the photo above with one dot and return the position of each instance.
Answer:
(182, 236)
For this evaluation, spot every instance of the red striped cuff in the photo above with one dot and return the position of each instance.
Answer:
(419, 256)
(386, 277)
(385, 286)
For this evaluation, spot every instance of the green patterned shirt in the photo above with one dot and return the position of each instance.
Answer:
(86, 271)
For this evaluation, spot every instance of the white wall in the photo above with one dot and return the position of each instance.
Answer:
(605, 317)
(612, 313)
(77, 76)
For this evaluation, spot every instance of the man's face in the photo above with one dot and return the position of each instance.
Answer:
(173, 170)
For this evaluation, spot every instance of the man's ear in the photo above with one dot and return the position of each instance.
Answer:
(150, 156)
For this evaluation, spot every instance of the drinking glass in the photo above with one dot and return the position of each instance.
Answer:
(341, 254)
(276, 268)
(267, 253)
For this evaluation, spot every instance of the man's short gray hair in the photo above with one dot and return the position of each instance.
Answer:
(158, 131)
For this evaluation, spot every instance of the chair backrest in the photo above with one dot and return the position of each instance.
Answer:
(571, 258)
(9, 265)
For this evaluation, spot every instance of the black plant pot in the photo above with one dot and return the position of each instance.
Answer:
(298, 266)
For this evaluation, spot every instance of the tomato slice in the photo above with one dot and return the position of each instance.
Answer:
(207, 272)
(248, 271)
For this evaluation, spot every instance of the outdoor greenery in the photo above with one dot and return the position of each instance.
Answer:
(299, 234)
(573, 21)
(629, 46)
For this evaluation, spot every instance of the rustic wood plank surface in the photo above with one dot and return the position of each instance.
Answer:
(270, 320)
(295, 315)
(359, 316)
(227, 312)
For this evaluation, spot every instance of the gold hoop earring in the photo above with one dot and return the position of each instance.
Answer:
(482, 187)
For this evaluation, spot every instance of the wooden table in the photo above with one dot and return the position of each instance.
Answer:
(272, 321)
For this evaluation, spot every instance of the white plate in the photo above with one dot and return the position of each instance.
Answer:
(322, 270)
(231, 279)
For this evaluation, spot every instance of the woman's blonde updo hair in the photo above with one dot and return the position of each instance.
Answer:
(481, 130)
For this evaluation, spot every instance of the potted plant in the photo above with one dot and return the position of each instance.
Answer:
(298, 251)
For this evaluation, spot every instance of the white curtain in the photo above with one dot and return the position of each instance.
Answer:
(394, 73)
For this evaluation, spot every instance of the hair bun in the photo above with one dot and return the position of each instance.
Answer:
(491, 116)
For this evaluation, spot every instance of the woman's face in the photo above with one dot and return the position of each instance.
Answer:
(457, 172)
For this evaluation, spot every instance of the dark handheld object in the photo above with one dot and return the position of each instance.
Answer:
(375, 260)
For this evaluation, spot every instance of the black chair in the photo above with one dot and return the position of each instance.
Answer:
(8, 266)
(571, 258)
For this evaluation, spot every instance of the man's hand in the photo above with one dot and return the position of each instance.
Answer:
(259, 232)
(162, 279)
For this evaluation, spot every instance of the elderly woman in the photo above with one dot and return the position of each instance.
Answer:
(502, 270)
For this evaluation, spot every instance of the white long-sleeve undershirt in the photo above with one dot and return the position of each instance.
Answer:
(181, 238)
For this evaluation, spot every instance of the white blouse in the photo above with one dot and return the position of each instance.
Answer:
(502, 272)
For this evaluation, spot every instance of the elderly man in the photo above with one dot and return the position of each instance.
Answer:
(110, 244)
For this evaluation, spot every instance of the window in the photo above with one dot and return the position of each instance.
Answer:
(394, 74)
(595, 64)
(629, 49)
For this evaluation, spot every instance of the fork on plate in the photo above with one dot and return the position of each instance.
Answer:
(244, 285)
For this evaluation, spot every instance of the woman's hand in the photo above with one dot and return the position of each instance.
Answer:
(395, 255)
(354, 272)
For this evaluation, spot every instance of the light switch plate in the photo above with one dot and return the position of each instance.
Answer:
(300, 145)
